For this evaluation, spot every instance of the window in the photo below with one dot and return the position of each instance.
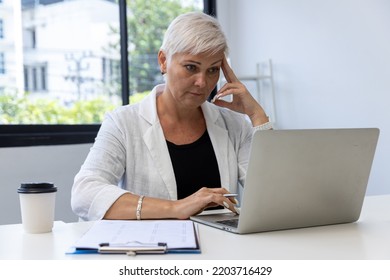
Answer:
(73, 70)
(35, 78)
(2, 63)
(29, 38)
(111, 70)
(1, 29)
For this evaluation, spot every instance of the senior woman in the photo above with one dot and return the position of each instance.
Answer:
(174, 154)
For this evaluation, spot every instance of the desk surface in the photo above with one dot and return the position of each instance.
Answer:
(369, 238)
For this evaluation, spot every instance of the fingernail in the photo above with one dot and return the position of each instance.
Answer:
(235, 201)
(226, 204)
(215, 98)
(237, 209)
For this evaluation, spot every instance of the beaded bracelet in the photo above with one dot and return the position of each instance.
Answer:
(139, 207)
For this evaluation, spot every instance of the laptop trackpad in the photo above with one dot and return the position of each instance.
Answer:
(219, 216)
(230, 222)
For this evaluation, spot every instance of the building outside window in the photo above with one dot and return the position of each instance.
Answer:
(70, 63)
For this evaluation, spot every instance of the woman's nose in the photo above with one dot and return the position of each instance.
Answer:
(200, 80)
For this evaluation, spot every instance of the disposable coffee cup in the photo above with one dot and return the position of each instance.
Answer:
(37, 204)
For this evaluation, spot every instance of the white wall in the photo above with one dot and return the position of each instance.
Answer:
(331, 63)
(57, 164)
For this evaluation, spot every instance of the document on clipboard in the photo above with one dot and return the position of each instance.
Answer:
(139, 237)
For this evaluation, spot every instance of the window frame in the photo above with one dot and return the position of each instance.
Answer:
(58, 134)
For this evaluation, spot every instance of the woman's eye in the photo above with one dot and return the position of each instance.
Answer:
(213, 70)
(190, 67)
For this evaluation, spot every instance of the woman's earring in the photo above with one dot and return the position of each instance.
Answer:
(162, 72)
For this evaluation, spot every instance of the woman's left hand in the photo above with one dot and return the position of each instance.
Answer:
(242, 101)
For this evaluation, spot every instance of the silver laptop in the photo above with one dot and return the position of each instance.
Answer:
(302, 178)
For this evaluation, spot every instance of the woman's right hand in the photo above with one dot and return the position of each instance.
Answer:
(124, 208)
(202, 199)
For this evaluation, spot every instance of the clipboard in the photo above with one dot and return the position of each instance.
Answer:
(159, 248)
(139, 237)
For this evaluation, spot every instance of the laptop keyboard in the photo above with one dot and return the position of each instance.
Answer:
(230, 223)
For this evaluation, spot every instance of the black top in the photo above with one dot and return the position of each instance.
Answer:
(195, 166)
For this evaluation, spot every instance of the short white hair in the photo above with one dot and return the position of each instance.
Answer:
(194, 33)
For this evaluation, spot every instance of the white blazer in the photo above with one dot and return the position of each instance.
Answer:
(130, 154)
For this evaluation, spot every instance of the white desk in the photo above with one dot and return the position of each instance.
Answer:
(369, 238)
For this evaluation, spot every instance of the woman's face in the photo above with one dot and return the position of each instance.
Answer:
(191, 78)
